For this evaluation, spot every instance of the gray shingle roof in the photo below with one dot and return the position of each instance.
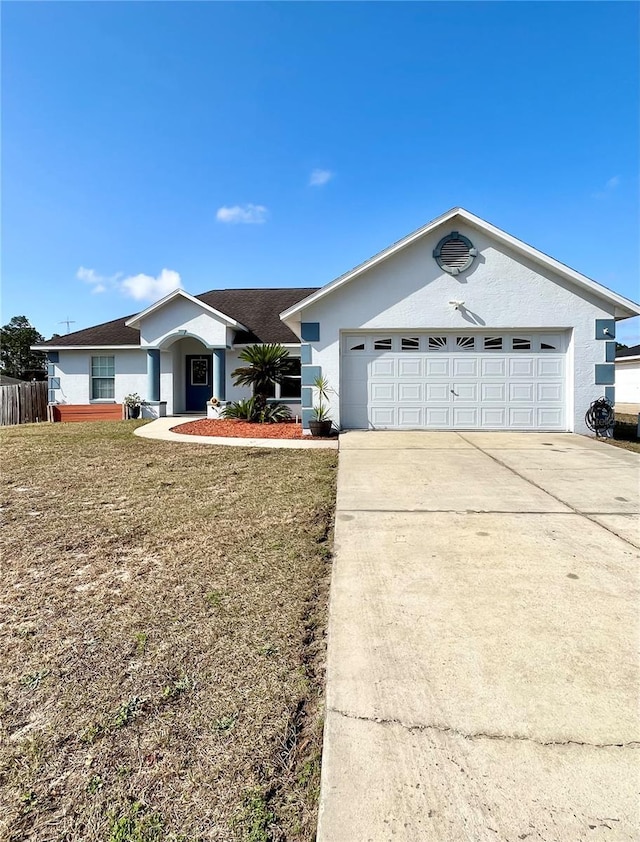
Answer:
(257, 309)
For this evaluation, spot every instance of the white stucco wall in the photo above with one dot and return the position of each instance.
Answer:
(501, 290)
(74, 371)
(627, 381)
(181, 314)
(74, 368)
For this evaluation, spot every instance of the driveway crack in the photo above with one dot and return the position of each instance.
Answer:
(479, 735)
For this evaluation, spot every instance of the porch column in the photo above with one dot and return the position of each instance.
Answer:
(153, 374)
(219, 373)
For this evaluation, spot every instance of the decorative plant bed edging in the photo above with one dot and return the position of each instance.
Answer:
(239, 429)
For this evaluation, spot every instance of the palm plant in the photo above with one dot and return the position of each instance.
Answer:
(266, 365)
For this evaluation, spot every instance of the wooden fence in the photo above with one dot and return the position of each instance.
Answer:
(24, 403)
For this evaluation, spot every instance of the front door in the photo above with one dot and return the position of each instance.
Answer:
(198, 382)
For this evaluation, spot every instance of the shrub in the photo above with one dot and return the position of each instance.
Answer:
(244, 410)
(252, 410)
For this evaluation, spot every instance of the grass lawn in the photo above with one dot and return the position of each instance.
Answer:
(162, 622)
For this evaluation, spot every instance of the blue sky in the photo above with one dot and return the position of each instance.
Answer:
(280, 144)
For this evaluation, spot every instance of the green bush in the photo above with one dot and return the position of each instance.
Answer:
(252, 409)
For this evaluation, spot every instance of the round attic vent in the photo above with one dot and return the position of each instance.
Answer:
(454, 253)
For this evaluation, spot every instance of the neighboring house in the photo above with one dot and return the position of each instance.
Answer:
(628, 375)
(5, 380)
(457, 326)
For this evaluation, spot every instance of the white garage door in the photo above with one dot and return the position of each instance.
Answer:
(440, 380)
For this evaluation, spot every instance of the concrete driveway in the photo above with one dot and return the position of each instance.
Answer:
(483, 668)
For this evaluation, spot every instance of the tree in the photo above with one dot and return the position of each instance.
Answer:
(267, 364)
(16, 357)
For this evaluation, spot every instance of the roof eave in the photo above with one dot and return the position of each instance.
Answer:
(91, 346)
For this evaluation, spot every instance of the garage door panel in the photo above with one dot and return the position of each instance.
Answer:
(438, 367)
(437, 417)
(522, 392)
(493, 392)
(465, 366)
(466, 416)
(410, 417)
(383, 416)
(465, 392)
(511, 383)
(549, 392)
(522, 367)
(410, 392)
(549, 416)
(523, 417)
(437, 392)
(493, 417)
(383, 392)
(383, 367)
(492, 367)
(550, 366)
(410, 367)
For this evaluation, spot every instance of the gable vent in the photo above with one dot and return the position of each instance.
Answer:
(454, 253)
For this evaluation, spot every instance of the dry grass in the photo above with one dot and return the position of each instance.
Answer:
(161, 630)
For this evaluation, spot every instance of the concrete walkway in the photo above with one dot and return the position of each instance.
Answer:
(161, 429)
(483, 669)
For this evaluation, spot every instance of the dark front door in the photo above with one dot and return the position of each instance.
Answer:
(198, 382)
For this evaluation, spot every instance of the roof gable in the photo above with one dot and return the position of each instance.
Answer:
(181, 293)
(624, 307)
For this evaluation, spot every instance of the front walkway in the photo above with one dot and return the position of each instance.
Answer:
(482, 669)
(161, 429)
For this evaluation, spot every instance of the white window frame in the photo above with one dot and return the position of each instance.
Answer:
(102, 377)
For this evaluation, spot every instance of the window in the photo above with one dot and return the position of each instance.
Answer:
(548, 346)
(382, 345)
(465, 343)
(103, 373)
(290, 386)
(521, 344)
(410, 343)
(437, 343)
(359, 347)
(493, 343)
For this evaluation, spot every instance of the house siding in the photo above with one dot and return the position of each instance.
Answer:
(627, 381)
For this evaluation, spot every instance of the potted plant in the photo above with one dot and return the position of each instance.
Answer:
(133, 402)
(321, 424)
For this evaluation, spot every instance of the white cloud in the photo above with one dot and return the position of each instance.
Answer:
(247, 214)
(609, 187)
(140, 287)
(147, 288)
(319, 178)
(98, 283)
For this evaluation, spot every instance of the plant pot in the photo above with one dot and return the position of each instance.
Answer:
(133, 411)
(320, 429)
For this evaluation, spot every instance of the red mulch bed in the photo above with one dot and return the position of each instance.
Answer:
(240, 429)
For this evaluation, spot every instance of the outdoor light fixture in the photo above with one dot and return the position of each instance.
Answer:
(457, 304)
